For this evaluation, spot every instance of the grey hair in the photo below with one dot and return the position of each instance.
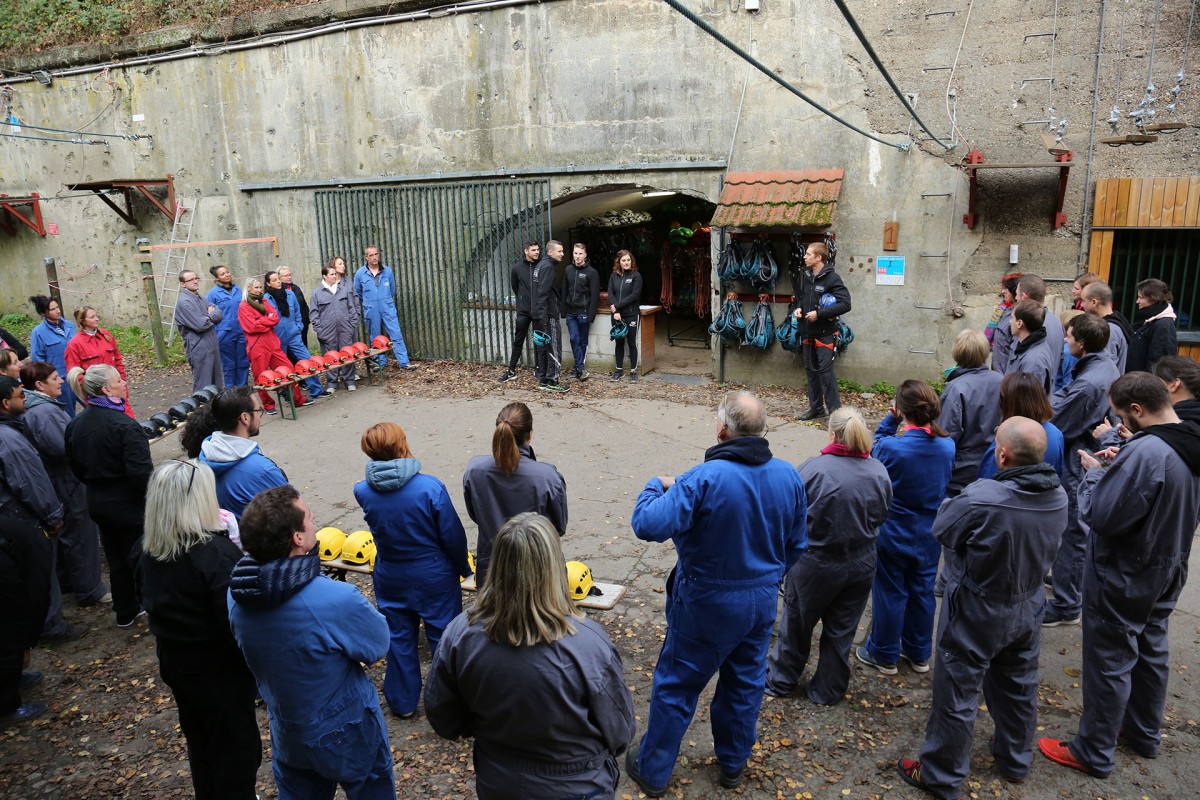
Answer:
(181, 508)
(743, 414)
(91, 382)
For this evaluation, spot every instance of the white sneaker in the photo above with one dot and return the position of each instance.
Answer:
(351, 388)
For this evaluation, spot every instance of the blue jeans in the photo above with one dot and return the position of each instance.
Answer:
(577, 327)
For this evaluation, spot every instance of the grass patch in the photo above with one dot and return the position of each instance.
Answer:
(135, 342)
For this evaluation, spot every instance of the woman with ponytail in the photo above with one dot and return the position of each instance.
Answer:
(511, 481)
(849, 494)
(919, 458)
(94, 345)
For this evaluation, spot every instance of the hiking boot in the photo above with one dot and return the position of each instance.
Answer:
(584, 374)
(1054, 618)
(887, 669)
(633, 376)
(616, 376)
(507, 376)
(910, 771)
(631, 769)
(732, 780)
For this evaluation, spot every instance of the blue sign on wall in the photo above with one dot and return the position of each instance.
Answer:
(889, 271)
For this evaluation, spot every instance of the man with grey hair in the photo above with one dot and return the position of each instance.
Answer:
(197, 318)
(738, 522)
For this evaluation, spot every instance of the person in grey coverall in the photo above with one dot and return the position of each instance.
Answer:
(556, 736)
(1143, 511)
(1078, 408)
(849, 495)
(1003, 532)
(196, 320)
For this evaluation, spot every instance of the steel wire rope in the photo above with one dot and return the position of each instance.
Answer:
(1173, 106)
(1146, 106)
(862, 38)
(954, 129)
(126, 136)
(764, 69)
(1050, 110)
(48, 139)
(745, 82)
(1114, 119)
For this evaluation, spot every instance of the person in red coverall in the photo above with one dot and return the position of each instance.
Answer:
(94, 345)
(262, 345)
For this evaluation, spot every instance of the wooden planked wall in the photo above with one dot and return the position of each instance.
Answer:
(1141, 203)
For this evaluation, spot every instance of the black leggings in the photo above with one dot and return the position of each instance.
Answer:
(630, 339)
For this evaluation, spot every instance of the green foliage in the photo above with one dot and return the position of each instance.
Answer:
(19, 325)
(847, 385)
(939, 385)
(882, 387)
(137, 343)
(33, 25)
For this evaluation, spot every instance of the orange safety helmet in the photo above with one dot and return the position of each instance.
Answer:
(380, 342)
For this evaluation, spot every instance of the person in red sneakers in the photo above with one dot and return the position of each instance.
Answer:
(1002, 534)
(1143, 511)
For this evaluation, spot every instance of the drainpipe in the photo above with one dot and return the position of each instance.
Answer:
(1087, 177)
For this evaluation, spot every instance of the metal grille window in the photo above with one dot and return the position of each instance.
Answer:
(452, 247)
(1170, 255)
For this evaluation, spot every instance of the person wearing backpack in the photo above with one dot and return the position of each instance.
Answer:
(819, 299)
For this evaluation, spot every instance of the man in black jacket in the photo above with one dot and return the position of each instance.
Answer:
(548, 310)
(581, 297)
(819, 300)
(523, 282)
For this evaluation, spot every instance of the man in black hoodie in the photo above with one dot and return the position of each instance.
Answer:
(528, 283)
(819, 299)
(1143, 511)
(581, 297)
(1097, 297)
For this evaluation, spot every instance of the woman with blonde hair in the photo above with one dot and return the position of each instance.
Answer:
(553, 737)
(183, 575)
(849, 494)
(511, 481)
(93, 345)
(970, 406)
(109, 454)
(919, 458)
(422, 555)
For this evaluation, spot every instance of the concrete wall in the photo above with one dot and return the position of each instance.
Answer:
(579, 82)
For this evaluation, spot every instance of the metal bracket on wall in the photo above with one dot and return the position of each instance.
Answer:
(929, 14)
(33, 222)
(935, 255)
(927, 195)
(126, 188)
(922, 352)
(974, 161)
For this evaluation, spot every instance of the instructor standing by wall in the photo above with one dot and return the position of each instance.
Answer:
(821, 298)
(196, 319)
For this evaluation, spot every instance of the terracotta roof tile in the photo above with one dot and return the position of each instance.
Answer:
(780, 198)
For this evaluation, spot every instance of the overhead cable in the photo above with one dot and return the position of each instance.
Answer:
(862, 38)
(764, 69)
(47, 139)
(127, 136)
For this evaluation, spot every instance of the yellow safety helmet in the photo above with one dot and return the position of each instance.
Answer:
(359, 548)
(471, 562)
(579, 581)
(329, 543)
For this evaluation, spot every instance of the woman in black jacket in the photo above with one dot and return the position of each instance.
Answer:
(108, 452)
(1153, 326)
(183, 573)
(624, 300)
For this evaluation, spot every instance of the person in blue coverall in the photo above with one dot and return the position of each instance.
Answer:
(225, 295)
(919, 460)
(306, 638)
(738, 522)
(422, 555)
(375, 287)
(1021, 395)
(48, 342)
(290, 325)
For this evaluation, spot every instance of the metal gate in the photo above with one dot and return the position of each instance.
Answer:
(1171, 255)
(452, 247)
